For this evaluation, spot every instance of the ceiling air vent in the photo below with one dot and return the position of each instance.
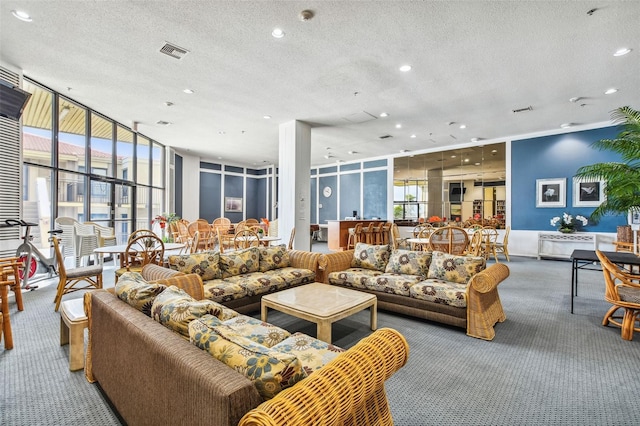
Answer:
(173, 50)
(385, 136)
(529, 108)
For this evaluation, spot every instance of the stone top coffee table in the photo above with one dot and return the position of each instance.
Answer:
(322, 304)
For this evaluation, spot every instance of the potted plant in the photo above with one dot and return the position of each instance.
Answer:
(622, 179)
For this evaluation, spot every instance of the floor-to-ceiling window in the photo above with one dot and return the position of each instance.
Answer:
(81, 164)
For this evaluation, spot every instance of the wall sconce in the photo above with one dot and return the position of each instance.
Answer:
(63, 113)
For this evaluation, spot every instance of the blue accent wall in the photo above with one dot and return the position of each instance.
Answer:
(313, 217)
(178, 185)
(556, 156)
(375, 194)
(329, 208)
(254, 200)
(233, 187)
(209, 196)
(349, 195)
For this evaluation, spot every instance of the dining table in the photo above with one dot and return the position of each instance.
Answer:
(121, 249)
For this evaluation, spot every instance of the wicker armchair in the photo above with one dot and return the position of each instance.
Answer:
(328, 396)
(449, 239)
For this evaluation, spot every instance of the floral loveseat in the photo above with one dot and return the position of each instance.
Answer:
(239, 279)
(164, 355)
(455, 290)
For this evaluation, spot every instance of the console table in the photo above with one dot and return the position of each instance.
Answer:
(567, 240)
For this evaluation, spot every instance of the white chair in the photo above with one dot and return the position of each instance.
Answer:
(79, 240)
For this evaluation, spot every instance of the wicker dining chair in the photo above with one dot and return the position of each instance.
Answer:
(503, 247)
(245, 239)
(70, 280)
(622, 290)
(449, 239)
(141, 251)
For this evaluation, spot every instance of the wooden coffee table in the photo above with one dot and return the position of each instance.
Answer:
(322, 304)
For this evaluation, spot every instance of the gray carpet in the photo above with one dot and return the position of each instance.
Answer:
(545, 366)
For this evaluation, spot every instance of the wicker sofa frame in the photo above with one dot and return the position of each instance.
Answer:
(483, 310)
(151, 375)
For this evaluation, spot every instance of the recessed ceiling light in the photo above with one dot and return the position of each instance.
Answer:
(188, 91)
(352, 152)
(21, 15)
(610, 91)
(405, 68)
(463, 126)
(277, 33)
(453, 156)
(474, 139)
(566, 125)
(339, 161)
(266, 117)
(384, 114)
(328, 156)
(621, 52)
(219, 158)
(477, 164)
(402, 151)
(494, 150)
(398, 126)
(466, 160)
(168, 103)
(163, 123)
(413, 136)
(222, 132)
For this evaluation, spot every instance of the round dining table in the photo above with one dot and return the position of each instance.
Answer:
(121, 249)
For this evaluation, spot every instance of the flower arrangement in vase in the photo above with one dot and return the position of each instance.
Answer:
(569, 224)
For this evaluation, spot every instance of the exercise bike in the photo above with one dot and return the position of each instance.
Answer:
(32, 259)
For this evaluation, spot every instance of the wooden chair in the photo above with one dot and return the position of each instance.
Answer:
(353, 235)
(449, 239)
(10, 272)
(141, 251)
(70, 279)
(245, 239)
(396, 240)
(475, 243)
(291, 238)
(207, 238)
(9, 280)
(502, 247)
(424, 234)
(225, 240)
(385, 233)
(489, 241)
(622, 290)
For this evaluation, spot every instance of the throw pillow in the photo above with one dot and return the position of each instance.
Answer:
(257, 331)
(137, 292)
(273, 257)
(240, 262)
(409, 262)
(454, 268)
(369, 256)
(313, 353)
(270, 371)
(205, 264)
(175, 309)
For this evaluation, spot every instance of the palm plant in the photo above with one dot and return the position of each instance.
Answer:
(622, 179)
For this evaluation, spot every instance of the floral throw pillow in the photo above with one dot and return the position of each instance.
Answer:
(270, 371)
(137, 292)
(205, 264)
(175, 309)
(240, 262)
(409, 262)
(369, 256)
(457, 269)
(273, 257)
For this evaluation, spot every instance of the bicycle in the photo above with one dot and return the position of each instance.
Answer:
(30, 256)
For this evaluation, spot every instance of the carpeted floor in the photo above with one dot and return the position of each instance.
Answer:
(545, 366)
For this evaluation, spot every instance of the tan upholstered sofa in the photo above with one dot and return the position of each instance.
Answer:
(455, 290)
(239, 279)
(154, 375)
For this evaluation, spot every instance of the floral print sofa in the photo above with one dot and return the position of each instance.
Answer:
(239, 279)
(163, 354)
(437, 286)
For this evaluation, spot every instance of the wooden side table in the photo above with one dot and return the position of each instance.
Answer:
(73, 321)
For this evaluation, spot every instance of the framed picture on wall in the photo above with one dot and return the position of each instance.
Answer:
(635, 217)
(232, 204)
(551, 192)
(588, 193)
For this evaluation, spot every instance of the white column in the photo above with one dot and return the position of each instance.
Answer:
(294, 183)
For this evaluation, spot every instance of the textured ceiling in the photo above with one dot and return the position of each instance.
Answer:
(473, 63)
